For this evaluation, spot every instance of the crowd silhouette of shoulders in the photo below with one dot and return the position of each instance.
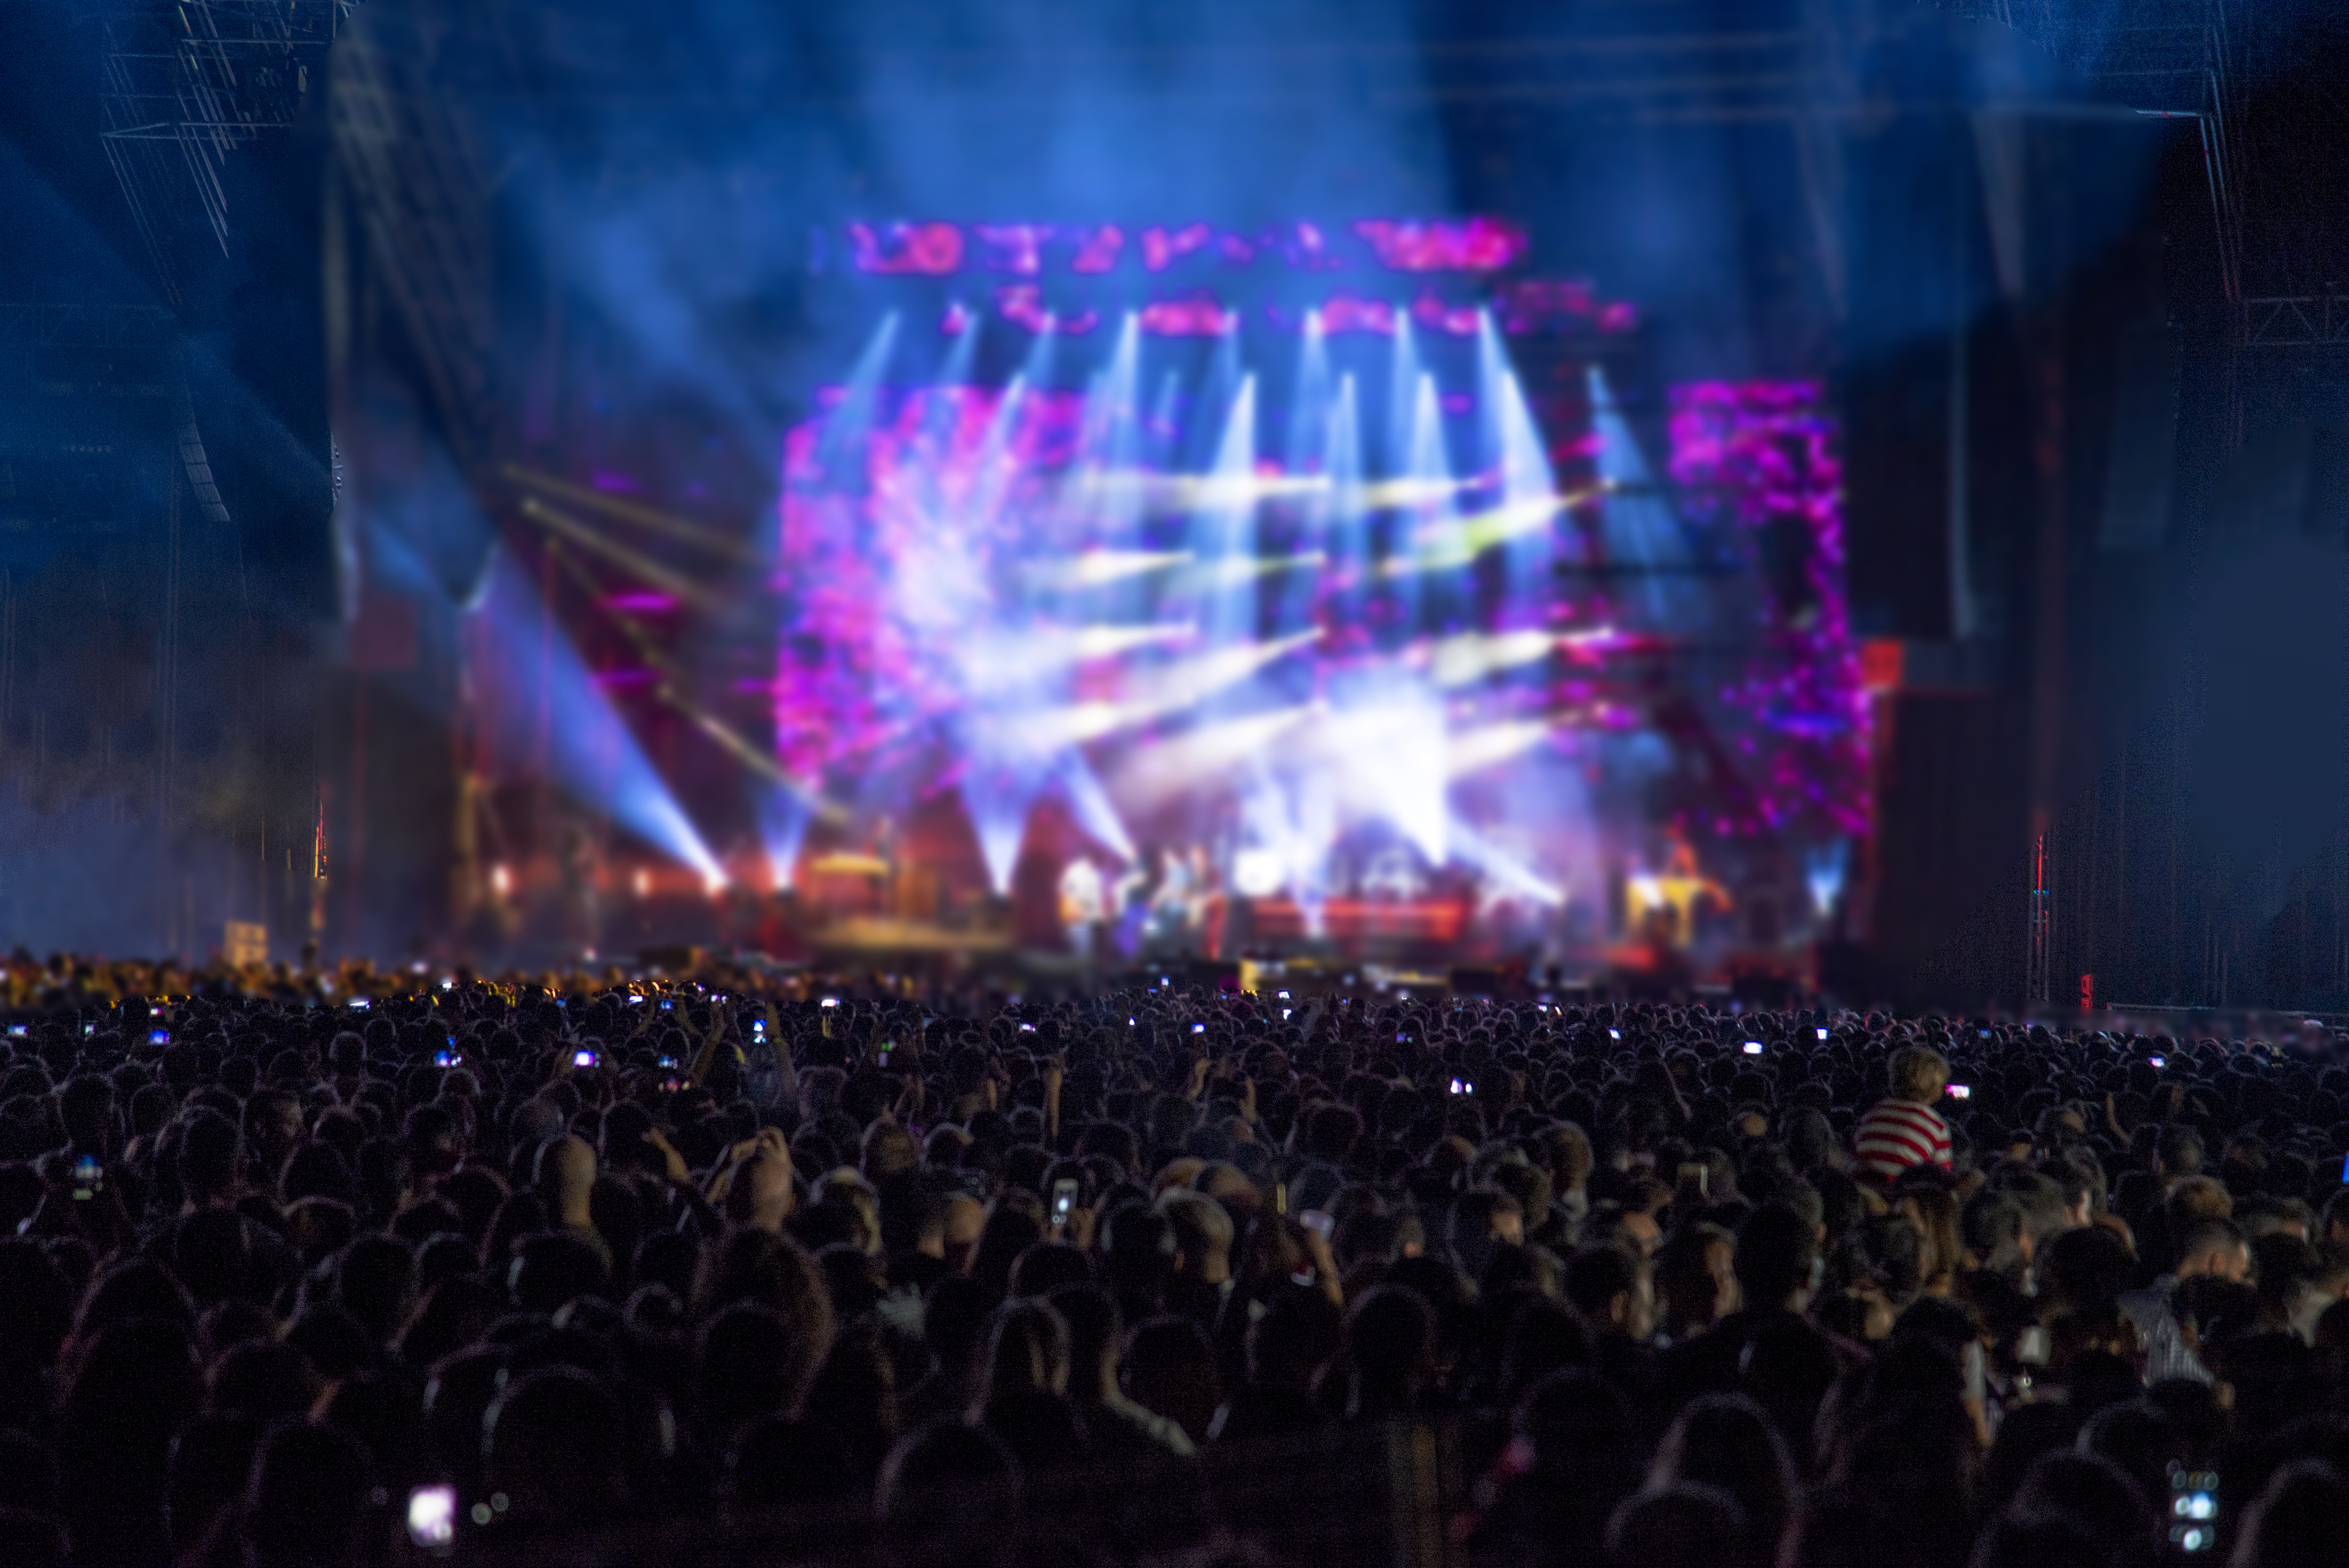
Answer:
(484, 1268)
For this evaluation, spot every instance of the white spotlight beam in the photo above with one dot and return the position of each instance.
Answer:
(1168, 768)
(1489, 746)
(1169, 691)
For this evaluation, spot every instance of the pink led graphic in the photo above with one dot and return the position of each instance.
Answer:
(1434, 314)
(1347, 313)
(1199, 315)
(1161, 247)
(1015, 248)
(1097, 249)
(1022, 305)
(1760, 456)
(1445, 245)
(931, 249)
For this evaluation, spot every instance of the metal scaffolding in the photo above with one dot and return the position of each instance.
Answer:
(2263, 82)
(82, 325)
(421, 196)
(2171, 59)
(2297, 321)
(187, 82)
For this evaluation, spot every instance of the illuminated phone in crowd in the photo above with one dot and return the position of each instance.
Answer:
(1064, 1201)
(88, 1179)
(1462, 1085)
(1753, 1047)
(1961, 1091)
(2193, 1509)
(444, 1057)
(583, 1059)
(432, 1517)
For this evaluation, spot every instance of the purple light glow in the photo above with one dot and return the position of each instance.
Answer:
(1468, 245)
(931, 249)
(1760, 455)
(1202, 313)
(1161, 247)
(1097, 249)
(1199, 608)
(1197, 317)
(1475, 246)
(1345, 313)
(1015, 248)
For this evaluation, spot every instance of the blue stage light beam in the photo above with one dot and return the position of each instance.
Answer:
(1089, 803)
(955, 371)
(1438, 544)
(1108, 508)
(1161, 435)
(1307, 459)
(1345, 532)
(852, 416)
(1637, 523)
(782, 818)
(1223, 530)
(1043, 353)
(1507, 874)
(1514, 451)
(998, 791)
(1223, 371)
(591, 755)
(996, 463)
(1308, 402)
(1824, 870)
(1403, 398)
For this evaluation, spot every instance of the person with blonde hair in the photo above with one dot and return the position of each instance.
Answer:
(1906, 1129)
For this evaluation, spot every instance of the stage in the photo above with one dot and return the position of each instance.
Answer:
(1348, 592)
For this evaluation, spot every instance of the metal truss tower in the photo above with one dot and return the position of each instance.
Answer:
(2262, 81)
(187, 82)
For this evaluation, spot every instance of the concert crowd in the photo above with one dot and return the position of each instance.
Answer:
(487, 1270)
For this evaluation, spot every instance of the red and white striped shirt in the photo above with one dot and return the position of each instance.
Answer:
(1897, 1133)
